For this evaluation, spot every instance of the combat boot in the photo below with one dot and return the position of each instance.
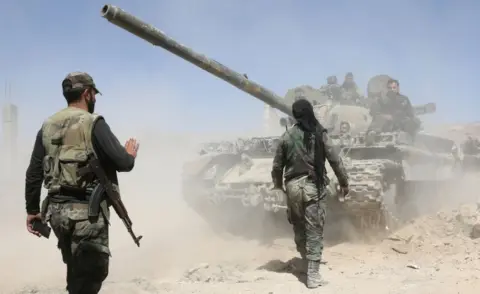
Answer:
(314, 278)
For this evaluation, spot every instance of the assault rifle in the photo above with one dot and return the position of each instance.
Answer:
(105, 187)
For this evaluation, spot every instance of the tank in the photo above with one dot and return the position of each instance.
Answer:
(235, 175)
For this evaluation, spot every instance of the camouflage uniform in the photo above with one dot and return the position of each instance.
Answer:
(306, 202)
(401, 111)
(332, 80)
(84, 245)
(351, 91)
(471, 146)
(333, 92)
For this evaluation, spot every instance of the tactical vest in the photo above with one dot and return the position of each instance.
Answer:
(67, 138)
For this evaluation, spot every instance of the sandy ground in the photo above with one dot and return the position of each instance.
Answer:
(181, 254)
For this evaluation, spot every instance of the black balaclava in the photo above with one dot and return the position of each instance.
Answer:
(304, 115)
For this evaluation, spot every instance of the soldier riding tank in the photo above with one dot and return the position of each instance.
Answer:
(240, 171)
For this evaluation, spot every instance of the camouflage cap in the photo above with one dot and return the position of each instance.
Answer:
(78, 81)
(349, 75)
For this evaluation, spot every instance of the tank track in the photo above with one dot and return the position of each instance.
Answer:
(367, 204)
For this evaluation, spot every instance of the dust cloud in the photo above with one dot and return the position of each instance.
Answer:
(181, 252)
(238, 252)
(175, 237)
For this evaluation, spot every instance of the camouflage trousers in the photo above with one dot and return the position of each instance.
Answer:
(307, 212)
(84, 245)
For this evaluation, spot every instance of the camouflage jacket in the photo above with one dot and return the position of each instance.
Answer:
(333, 91)
(399, 107)
(292, 155)
(471, 147)
(353, 91)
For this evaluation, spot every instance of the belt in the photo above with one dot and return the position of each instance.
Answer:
(70, 194)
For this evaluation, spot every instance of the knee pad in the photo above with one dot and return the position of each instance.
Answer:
(91, 260)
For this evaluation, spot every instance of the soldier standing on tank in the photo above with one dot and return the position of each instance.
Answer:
(62, 146)
(332, 80)
(301, 152)
(350, 88)
(299, 94)
(332, 89)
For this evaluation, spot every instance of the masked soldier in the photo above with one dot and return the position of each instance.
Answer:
(63, 145)
(302, 151)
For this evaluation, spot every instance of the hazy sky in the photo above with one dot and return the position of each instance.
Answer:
(431, 46)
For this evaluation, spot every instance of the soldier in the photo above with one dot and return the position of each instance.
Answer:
(394, 111)
(350, 88)
(332, 89)
(471, 146)
(302, 151)
(345, 135)
(332, 80)
(299, 94)
(344, 128)
(62, 146)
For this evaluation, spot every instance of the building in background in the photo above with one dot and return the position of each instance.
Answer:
(9, 136)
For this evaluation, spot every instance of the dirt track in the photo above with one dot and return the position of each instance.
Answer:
(434, 254)
(180, 253)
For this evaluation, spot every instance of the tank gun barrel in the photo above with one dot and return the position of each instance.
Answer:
(149, 33)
